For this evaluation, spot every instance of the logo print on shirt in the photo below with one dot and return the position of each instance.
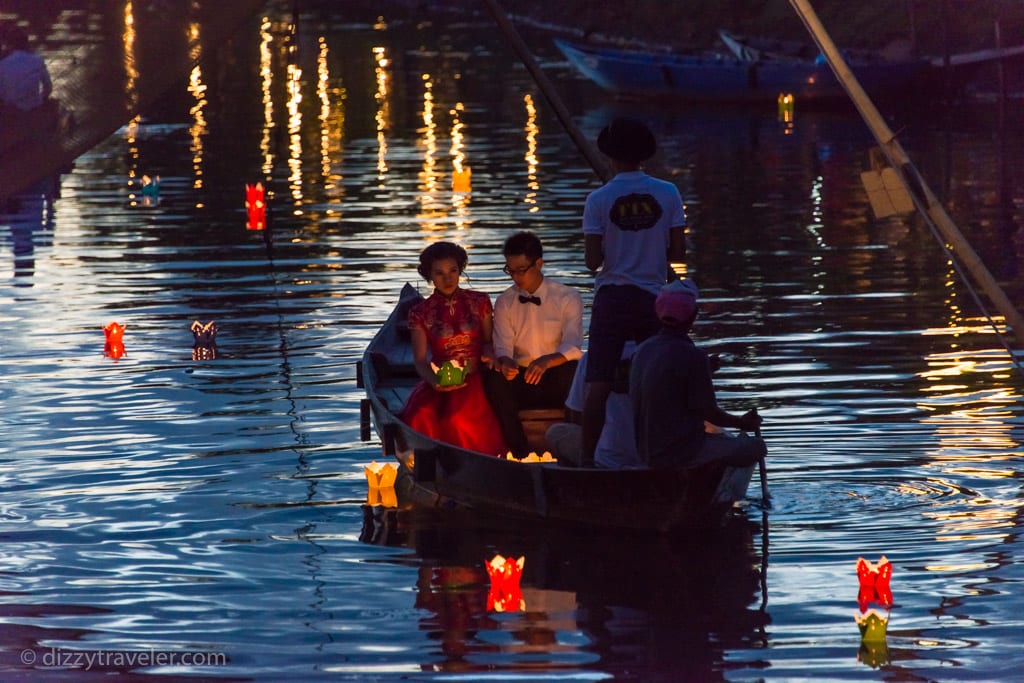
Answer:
(634, 212)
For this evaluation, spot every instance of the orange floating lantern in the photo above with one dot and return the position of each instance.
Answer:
(255, 207)
(380, 479)
(114, 345)
(874, 583)
(505, 594)
(461, 179)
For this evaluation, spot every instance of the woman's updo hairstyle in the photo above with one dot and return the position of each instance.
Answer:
(439, 251)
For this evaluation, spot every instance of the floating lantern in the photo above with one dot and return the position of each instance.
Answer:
(114, 345)
(874, 654)
(461, 178)
(380, 475)
(874, 583)
(787, 104)
(380, 478)
(204, 346)
(204, 335)
(873, 626)
(505, 594)
(150, 190)
(255, 207)
(450, 374)
(532, 457)
(385, 497)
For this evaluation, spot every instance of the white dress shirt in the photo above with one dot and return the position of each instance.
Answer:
(526, 331)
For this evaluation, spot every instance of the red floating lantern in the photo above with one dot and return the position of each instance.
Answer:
(255, 207)
(114, 346)
(505, 594)
(874, 583)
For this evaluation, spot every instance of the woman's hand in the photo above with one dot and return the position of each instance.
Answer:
(449, 387)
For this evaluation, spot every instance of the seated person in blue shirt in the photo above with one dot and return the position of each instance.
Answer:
(672, 395)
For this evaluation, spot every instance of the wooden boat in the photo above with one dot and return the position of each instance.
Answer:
(744, 75)
(438, 474)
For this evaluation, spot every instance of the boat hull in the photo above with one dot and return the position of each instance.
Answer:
(437, 474)
(722, 77)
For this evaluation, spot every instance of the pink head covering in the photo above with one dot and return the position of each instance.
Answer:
(677, 301)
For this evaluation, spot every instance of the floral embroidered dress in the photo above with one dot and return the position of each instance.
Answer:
(454, 331)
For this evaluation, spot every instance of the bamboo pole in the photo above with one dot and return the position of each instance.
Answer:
(550, 94)
(924, 199)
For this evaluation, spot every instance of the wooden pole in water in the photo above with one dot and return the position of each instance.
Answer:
(924, 199)
(550, 94)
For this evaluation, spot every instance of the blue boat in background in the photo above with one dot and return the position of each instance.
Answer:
(744, 75)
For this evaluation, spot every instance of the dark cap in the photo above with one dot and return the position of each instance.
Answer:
(627, 139)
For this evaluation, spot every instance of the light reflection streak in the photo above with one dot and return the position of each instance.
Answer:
(198, 129)
(128, 37)
(322, 92)
(383, 115)
(266, 86)
(295, 135)
(428, 141)
(460, 200)
(132, 96)
(815, 227)
(968, 400)
(532, 162)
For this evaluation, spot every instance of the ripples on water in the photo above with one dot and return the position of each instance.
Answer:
(154, 501)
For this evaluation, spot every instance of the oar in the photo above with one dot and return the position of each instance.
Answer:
(541, 79)
(766, 499)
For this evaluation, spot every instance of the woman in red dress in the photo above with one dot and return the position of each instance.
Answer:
(452, 324)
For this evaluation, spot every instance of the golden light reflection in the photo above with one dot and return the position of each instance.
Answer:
(787, 106)
(266, 87)
(198, 129)
(323, 94)
(428, 176)
(131, 71)
(461, 172)
(969, 401)
(295, 136)
(532, 163)
(132, 95)
(383, 116)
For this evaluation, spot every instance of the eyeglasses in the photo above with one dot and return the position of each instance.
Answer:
(519, 271)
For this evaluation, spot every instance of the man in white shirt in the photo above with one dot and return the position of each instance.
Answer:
(538, 335)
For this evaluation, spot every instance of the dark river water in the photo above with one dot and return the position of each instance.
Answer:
(211, 514)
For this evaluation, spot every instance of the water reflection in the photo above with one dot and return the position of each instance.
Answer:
(612, 605)
(189, 502)
(28, 218)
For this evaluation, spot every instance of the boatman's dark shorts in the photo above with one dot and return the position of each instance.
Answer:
(619, 313)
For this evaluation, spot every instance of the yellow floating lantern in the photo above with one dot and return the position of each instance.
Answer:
(532, 457)
(380, 475)
(873, 626)
(380, 478)
(787, 105)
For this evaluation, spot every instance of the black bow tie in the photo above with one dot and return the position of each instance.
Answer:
(529, 300)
